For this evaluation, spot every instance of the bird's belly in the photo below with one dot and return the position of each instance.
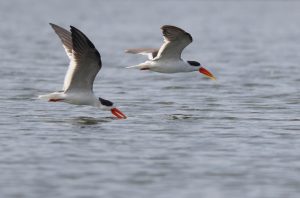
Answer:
(79, 100)
(168, 68)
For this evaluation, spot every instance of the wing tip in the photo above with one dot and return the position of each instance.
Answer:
(77, 34)
(165, 28)
(129, 51)
(57, 28)
(170, 26)
(72, 28)
(54, 26)
(76, 31)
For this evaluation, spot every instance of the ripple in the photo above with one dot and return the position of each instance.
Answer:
(90, 120)
(183, 117)
(174, 87)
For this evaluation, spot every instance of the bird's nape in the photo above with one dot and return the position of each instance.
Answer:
(207, 73)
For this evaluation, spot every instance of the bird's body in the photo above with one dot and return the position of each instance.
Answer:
(167, 59)
(85, 63)
(167, 66)
(76, 98)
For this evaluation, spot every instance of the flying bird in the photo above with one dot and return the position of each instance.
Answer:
(85, 63)
(167, 59)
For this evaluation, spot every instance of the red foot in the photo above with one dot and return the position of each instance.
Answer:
(55, 100)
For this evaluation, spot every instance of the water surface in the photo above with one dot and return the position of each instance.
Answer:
(185, 136)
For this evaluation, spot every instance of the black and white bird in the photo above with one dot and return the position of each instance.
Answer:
(167, 59)
(85, 63)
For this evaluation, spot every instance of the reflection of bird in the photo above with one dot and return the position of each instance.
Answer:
(167, 59)
(85, 63)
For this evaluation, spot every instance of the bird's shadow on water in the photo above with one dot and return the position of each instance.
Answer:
(83, 120)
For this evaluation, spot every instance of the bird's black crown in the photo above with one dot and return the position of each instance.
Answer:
(194, 63)
(106, 102)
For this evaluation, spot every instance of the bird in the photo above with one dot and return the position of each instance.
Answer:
(167, 59)
(85, 63)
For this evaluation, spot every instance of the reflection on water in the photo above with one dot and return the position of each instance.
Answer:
(90, 120)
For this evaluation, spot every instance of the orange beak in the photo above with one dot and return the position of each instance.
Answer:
(206, 73)
(118, 113)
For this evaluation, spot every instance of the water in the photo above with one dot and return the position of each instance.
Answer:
(185, 136)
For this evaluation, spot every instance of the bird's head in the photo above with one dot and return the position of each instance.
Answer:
(201, 69)
(108, 105)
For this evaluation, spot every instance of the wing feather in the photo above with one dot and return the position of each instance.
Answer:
(84, 65)
(65, 37)
(150, 52)
(175, 40)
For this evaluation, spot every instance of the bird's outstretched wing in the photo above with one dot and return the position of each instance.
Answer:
(85, 63)
(65, 37)
(85, 60)
(150, 52)
(175, 40)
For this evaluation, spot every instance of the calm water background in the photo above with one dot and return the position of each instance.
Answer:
(185, 136)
